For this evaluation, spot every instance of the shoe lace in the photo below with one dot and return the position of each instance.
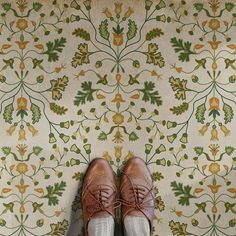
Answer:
(139, 193)
(101, 198)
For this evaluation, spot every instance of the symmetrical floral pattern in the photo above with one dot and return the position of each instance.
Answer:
(116, 79)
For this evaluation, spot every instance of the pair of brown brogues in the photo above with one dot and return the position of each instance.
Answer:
(99, 192)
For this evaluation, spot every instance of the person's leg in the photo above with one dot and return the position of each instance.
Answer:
(101, 226)
(137, 198)
(99, 199)
(136, 226)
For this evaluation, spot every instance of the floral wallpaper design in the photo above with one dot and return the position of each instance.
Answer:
(81, 79)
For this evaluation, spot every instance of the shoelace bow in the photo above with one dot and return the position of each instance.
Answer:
(101, 199)
(139, 195)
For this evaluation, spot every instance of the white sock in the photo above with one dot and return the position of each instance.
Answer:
(136, 226)
(101, 226)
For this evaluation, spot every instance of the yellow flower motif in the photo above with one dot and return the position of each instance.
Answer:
(118, 8)
(214, 65)
(225, 130)
(33, 23)
(232, 190)
(214, 168)
(58, 213)
(135, 96)
(107, 157)
(118, 39)
(11, 167)
(22, 168)
(214, 134)
(6, 46)
(22, 65)
(11, 129)
(129, 12)
(22, 5)
(129, 155)
(118, 98)
(214, 188)
(22, 188)
(232, 46)
(6, 190)
(22, 209)
(214, 149)
(214, 5)
(22, 44)
(33, 167)
(32, 130)
(118, 153)
(179, 213)
(100, 96)
(197, 190)
(118, 77)
(22, 24)
(118, 118)
(214, 103)
(107, 13)
(203, 130)
(22, 134)
(21, 104)
(21, 148)
(214, 24)
(214, 44)
(118, 137)
(39, 46)
(214, 209)
(39, 190)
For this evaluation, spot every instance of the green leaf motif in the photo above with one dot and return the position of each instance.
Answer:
(59, 228)
(183, 192)
(58, 85)
(37, 150)
(132, 29)
(81, 57)
(153, 34)
(103, 29)
(180, 86)
(178, 110)
(102, 136)
(229, 114)
(54, 191)
(201, 109)
(198, 150)
(6, 150)
(59, 110)
(229, 6)
(133, 136)
(183, 47)
(6, 6)
(150, 95)
(154, 57)
(37, 6)
(36, 113)
(7, 114)
(85, 95)
(198, 6)
(157, 176)
(229, 150)
(53, 48)
(82, 34)
(178, 229)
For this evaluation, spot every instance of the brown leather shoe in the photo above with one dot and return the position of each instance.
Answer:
(98, 192)
(136, 190)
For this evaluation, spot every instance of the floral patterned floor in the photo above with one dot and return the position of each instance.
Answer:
(117, 79)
